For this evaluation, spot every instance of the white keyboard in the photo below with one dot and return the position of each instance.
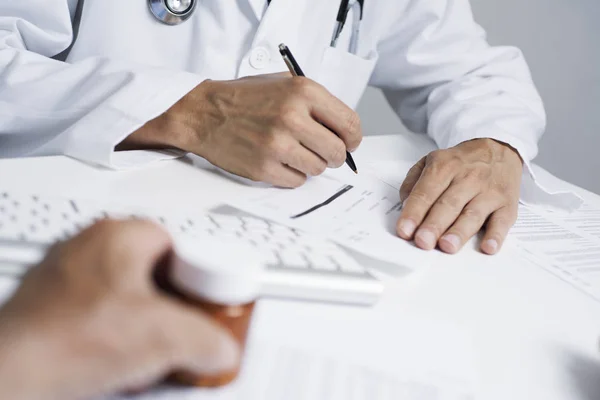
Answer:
(300, 266)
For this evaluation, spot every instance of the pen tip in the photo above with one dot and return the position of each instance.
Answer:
(356, 171)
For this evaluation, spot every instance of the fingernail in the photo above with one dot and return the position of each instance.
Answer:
(452, 240)
(491, 246)
(224, 356)
(407, 227)
(426, 238)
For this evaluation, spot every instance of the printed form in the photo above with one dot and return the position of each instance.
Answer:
(356, 211)
(411, 360)
(294, 374)
(566, 244)
(361, 211)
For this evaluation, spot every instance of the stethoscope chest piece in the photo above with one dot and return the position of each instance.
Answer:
(172, 12)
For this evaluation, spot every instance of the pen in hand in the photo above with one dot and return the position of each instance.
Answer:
(295, 70)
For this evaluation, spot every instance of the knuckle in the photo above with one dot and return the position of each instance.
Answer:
(420, 197)
(302, 86)
(451, 201)
(500, 221)
(474, 213)
(435, 157)
(443, 162)
(353, 126)
(318, 168)
(299, 181)
(471, 175)
(279, 146)
(260, 172)
(290, 117)
(338, 155)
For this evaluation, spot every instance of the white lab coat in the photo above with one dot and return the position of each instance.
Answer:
(125, 68)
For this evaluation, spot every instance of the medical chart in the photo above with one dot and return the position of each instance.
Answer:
(357, 211)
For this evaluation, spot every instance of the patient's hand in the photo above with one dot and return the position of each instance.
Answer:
(451, 194)
(89, 321)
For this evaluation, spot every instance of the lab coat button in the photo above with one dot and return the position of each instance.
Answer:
(260, 58)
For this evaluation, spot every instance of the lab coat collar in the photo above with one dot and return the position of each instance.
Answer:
(259, 7)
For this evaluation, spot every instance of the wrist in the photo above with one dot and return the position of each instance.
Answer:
(497, 149)
(508, 150)
(177, 128)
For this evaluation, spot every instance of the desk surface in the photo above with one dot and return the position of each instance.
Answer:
(534, 336)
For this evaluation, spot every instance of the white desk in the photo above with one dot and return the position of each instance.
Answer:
(535, 336)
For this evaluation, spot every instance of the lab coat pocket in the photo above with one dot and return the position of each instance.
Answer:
(346, 75)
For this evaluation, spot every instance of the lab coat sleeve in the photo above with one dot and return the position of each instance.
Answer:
(82, 110)
(442, 77)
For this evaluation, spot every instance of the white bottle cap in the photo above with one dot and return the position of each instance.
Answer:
(218, 271)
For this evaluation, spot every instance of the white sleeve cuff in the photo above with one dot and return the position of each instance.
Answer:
(93, 138)
(532, 193)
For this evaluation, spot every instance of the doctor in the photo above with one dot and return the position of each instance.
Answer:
(86, 79)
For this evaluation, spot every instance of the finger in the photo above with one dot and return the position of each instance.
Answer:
(444, 213)
(411, 179)
(173, 337)
(334, 114)
(323, 142)
(429, 187)
(199, 345)
(137, 244)
(304, 160)
(498, 226)
(470, 221)
(283, 176)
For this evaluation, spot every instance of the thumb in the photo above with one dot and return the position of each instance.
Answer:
(412, 177)
(200, 345)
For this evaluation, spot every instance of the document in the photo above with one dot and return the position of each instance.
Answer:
(277, 373)
(566, 244)
(357, 211)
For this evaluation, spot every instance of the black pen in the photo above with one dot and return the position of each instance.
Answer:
(295, 70)
(340, 21)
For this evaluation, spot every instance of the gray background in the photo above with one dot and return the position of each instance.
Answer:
(561, 40)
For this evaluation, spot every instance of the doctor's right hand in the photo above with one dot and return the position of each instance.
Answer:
(266, 128)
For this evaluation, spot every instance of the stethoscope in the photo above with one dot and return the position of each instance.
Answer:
(174, 12)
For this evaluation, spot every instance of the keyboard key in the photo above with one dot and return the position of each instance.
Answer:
(321, 262)
(293, 259)
(252, 223)
(271, 258)
(282, 232)
(347, 263)
(226, 221)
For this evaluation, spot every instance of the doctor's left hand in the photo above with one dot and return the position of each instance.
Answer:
(451, 194)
